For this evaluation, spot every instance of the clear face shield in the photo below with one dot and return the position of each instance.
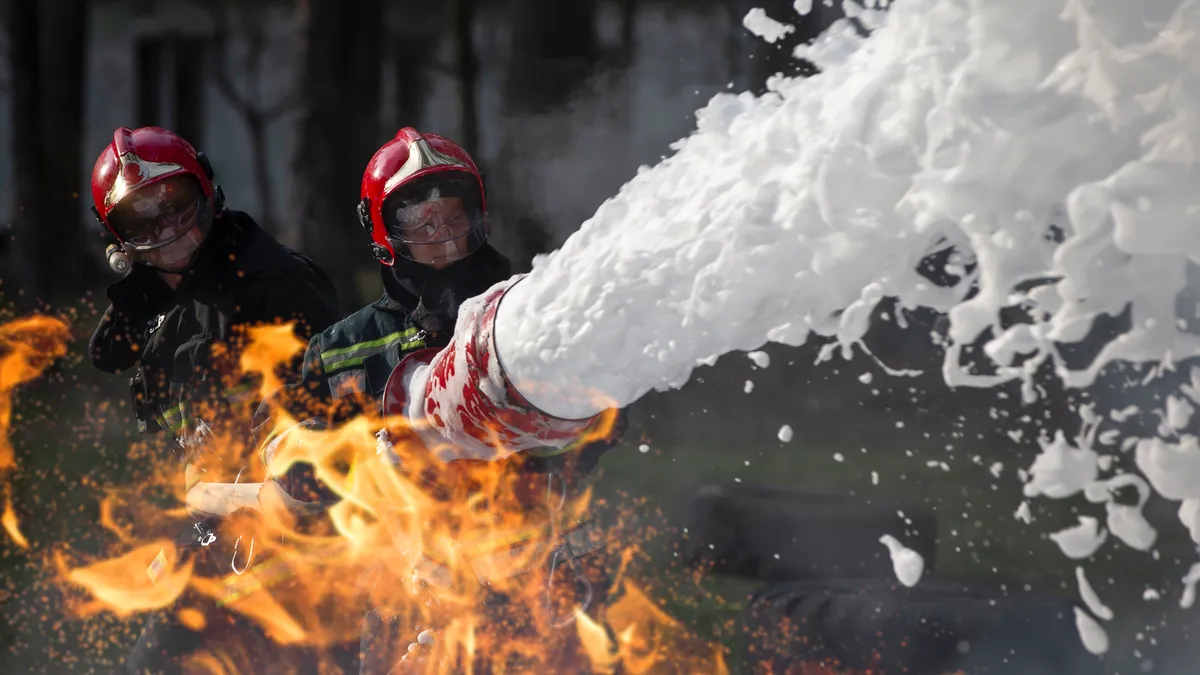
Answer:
(438, 220)
(163, 224)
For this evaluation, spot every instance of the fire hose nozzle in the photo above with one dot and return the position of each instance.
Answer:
(467, 405)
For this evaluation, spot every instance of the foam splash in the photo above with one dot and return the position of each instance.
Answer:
(907, 564)
(1080, 541)
(1049, 142)
(1048, 145)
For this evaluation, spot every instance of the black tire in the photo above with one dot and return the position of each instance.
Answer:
(931, 629)
(778, 534)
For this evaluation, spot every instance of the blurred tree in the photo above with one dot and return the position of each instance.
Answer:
(170, 75)
(147, 69)
(257, 116)
(339, 130)
(468, 73)
(628, 43)
(48, 43)
(555, 50)
(21, 20)
(554, 53)
(414, 36)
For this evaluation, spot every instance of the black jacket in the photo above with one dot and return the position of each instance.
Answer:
(185, 343)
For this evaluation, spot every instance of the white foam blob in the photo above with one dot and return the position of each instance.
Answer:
(1189, 587)
(1090, 597)
(1092, 634)
(907, 564)
(785, 433)
(1080, 541)
(1061, 470)
(756, 21)
(1023, 513)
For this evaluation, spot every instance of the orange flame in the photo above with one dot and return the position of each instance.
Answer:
(138, 581)
(29, 346)
(9, 520)
(464, 549)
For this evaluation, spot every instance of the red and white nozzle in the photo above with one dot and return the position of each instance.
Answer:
(465, 405)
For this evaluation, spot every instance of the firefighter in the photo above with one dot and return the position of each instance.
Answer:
(196, 273)
(424, 206)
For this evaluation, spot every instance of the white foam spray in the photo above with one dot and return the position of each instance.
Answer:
(957, 122)
(1051, 143)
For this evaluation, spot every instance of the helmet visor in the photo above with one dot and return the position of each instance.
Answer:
(158, 214)
(437, 220)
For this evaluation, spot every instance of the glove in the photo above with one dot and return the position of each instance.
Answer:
(128, 297)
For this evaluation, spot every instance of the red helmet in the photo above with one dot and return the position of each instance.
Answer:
(139, 158)
(403, 189)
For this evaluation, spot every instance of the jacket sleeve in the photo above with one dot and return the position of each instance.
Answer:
(303, 295)
(117, 340)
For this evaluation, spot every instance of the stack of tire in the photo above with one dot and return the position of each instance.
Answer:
(831, 601)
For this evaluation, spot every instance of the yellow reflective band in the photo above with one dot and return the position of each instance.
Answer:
(240, 393)
(261, 576)
(348, 357)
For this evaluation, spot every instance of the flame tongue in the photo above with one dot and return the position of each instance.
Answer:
(141, 580)
(461, 548)
(27, 347)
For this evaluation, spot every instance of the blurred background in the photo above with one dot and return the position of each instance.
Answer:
(560, 103)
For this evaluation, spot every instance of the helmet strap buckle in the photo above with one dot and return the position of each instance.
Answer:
(381, 253)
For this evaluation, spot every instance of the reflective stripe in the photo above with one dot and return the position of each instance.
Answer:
(176, 417)
(262, 575)
(240, 393)
(349, 357)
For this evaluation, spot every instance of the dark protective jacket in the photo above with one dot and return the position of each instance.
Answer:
(185, 343)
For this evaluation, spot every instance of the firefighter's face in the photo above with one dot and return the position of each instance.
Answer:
(436, 231)
(163, 224)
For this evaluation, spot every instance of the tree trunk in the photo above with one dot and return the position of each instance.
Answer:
(256, 125)
(188, 78)
(24, 281)
(468, 74)
(148, 80)
(339, 130)
(555, 49)
(411, 85)
(628, 45)
(63, 53)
